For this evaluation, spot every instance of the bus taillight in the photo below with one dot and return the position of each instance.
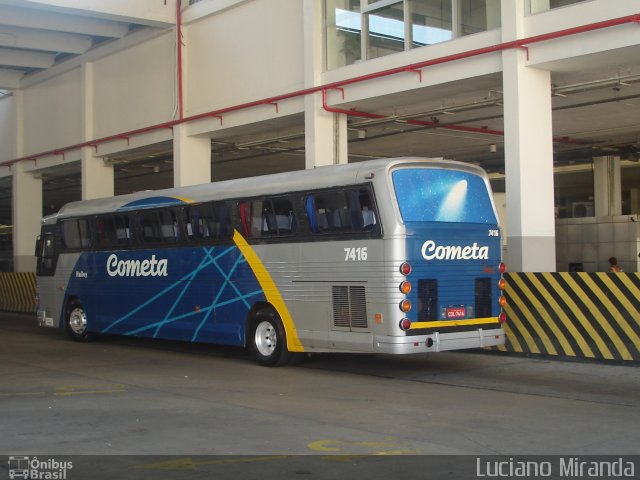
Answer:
(502, 300)
(502, 317)
(405, 268)
(405, 324)
(405, 305)
(502, 267)
(502, 284)
(405, 287)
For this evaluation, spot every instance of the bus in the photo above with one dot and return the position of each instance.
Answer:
(390, 256)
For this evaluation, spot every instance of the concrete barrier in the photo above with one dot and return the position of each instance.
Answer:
(580, 315)
(17, 292)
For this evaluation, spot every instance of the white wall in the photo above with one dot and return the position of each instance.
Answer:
(53, 113)
(134, 88)
(249, 52)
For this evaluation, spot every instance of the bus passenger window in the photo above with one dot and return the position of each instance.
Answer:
(158, 226)
(223, 222)
(76, 233)
(278, 217)
(122, 230)
(340, 211)
(169, 231)
(203, 222)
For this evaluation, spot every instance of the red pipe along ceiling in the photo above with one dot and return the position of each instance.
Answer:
(413, 68)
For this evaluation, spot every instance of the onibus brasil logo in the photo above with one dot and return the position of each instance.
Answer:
(37, 469)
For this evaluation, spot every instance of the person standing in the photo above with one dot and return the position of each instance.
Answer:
(614, 267)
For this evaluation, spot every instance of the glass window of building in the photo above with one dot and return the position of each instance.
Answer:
(538, 6)
(365, 29)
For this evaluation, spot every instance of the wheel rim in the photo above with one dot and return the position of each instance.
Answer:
(78, 321)
(266, 338)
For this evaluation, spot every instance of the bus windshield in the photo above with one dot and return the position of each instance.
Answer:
(442, 195)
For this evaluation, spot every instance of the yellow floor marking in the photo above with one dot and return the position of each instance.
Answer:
(68, 390)
(188, 463)
(389, 446)
(23, 394)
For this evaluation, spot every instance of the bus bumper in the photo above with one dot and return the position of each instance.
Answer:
(439, 342)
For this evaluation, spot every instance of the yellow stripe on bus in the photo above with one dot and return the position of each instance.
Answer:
(454, 323)
(270, 291)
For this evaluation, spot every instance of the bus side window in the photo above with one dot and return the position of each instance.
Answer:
(369, 220)
(76, 233)
(223, 221)
(278, 218)
(202, 222)
(310, 207)
(168, 226)
(122, 230)
(245, 217)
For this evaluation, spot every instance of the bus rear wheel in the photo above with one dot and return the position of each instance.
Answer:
(268, 340)
(76, 323)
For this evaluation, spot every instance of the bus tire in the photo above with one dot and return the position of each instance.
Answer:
(75, 323)
(268, 340)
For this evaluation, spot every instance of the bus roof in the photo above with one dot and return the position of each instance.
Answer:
(279, 183)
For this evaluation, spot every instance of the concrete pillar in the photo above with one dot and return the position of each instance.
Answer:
(528, 153)
(607, 186)
(26, 205)
(326, 141)
(191, 158)
(97, 179)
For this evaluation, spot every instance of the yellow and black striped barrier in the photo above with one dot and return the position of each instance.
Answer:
(582, 315)
(17, 291)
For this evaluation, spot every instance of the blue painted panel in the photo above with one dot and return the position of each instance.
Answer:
(192, 294)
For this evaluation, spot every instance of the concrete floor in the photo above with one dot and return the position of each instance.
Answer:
(126, 396)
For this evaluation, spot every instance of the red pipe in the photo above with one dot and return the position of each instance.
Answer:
(520, 43)
(179, 54)
(422, 123)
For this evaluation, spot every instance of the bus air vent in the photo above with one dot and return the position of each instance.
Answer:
(428, 300)
(349, 307)
(483, 297)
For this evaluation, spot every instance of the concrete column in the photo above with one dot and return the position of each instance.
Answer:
(607, 186)
(97, 179)
(528, 153)
(191, 158)
(325, 132)
(27, 212)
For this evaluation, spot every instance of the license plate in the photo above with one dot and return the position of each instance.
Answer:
(456, 312)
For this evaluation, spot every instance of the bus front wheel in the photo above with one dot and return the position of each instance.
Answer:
(76, 323)
(268, 341)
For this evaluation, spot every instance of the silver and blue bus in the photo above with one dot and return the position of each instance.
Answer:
(392, 256)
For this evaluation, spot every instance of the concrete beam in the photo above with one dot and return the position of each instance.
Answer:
(152, 13)
(61, 22)
(47, 41)
(21, 58)
(10, 79)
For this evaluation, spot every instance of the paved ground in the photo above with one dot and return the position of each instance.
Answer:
(139, 397)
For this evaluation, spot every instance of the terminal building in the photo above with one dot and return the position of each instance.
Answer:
(106, 98)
